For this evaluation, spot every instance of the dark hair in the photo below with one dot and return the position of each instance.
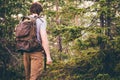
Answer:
(36, 8)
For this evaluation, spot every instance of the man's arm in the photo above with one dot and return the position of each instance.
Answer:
(45, 44)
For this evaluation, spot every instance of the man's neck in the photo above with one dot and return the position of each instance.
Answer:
(35, 14)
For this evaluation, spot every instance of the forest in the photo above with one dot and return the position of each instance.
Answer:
(84, 39)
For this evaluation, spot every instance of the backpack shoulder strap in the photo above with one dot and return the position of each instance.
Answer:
(23, 18)
(39, 17)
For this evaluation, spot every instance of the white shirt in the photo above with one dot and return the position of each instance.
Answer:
(41, 25)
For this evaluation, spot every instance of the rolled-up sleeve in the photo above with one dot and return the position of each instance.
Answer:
(41, 25)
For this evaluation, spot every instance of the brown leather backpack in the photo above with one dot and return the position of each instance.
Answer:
(26, 35)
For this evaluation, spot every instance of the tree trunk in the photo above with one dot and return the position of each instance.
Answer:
(57, 12)
(102, 23)
(108, 20)
(58, 22)
(59, 44)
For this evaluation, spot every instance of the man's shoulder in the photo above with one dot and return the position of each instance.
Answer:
(41, 19)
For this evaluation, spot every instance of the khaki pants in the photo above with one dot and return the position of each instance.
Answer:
(33, 65)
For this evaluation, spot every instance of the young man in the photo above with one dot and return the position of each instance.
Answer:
(33, 62)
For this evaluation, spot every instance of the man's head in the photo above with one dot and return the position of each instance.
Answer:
(36, 8)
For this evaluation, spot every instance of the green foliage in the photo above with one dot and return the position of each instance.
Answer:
(69, 33)
(81, 35)
(117, 68)
(103, 76)
(89, 65)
